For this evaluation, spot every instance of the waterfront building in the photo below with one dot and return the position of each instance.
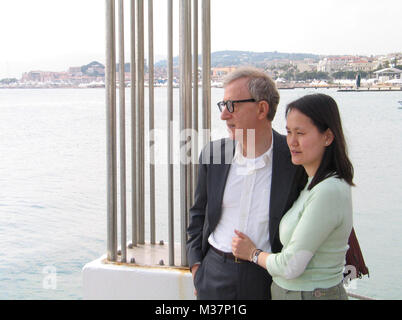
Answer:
(44, 76)
(306, 65)
(345, 63)
(219, 73)
(361, 65)
(332, 64)
(75, 71)
(388, 74)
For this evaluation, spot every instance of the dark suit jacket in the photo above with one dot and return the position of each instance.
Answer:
(215, 162)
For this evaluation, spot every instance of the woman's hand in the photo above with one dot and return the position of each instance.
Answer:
(242, 246)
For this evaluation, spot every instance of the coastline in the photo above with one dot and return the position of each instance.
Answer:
(340, 88)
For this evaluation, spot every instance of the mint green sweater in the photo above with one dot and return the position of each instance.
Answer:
(314, 233)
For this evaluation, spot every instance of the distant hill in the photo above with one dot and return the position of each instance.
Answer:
(230, 58)
(218, 59)
(234, 58)
(94, 68)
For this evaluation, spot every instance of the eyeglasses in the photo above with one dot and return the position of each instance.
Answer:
(229, 104)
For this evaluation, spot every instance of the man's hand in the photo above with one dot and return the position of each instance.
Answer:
(242, 246)
(193, 272)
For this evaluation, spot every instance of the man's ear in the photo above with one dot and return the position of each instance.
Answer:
(263, 109)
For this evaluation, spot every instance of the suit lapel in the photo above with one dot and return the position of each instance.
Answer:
(218, 175)
(282, 176)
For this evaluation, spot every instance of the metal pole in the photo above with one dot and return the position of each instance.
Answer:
(134, 186)
(206, 67)
(110, 81)
(183, 180)
(189, 190)
(185, 118)
(194, 148)
(122, 123)
(140, 120)
(170, 134)
(151, 119)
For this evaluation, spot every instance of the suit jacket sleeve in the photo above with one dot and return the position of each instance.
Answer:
(197, 216)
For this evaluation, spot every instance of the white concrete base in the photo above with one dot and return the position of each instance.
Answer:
(107, 281)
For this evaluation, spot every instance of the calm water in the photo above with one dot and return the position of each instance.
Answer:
(53, 185)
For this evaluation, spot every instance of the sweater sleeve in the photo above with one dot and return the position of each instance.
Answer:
(319, 217)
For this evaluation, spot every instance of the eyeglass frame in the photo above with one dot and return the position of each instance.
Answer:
(232, 102)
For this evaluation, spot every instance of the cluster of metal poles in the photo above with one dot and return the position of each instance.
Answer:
(188, 60)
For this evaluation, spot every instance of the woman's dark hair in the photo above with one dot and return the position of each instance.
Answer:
(323, 112)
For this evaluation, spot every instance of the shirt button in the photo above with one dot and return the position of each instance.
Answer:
(317, 293)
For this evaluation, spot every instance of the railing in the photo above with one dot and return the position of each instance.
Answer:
(188, 118)
(358, 296)
(188, 107)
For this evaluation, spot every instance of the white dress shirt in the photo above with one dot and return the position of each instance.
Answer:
(245, 204)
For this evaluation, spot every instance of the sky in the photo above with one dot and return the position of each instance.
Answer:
(52, 35)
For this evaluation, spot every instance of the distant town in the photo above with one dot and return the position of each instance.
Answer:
(288, 70)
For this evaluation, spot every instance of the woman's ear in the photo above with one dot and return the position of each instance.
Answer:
(329, 137)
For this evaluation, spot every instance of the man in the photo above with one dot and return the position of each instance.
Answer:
(246, 182)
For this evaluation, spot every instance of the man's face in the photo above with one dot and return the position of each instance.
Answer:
(245, 114)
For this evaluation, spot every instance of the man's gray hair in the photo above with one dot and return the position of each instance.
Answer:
(260, 86)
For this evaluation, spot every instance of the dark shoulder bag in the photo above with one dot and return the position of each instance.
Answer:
(354, 256)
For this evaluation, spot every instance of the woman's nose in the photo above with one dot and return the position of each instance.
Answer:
(292, 141)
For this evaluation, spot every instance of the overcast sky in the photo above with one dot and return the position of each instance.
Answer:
(56, 34)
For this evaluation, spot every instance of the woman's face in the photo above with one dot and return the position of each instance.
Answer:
(306, 143)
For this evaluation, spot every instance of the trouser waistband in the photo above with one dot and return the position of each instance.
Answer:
(228, 256)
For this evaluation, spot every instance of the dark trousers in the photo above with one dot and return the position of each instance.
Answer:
(220, 278)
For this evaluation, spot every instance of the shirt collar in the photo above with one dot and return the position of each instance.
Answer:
(253, 164)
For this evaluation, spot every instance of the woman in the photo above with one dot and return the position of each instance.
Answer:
(315, 230)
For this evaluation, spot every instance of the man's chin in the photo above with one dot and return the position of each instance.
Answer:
(231, 134)
(236, 135)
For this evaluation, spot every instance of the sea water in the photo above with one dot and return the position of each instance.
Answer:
(53, 184)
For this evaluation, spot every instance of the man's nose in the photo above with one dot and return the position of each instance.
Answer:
(225, 114)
